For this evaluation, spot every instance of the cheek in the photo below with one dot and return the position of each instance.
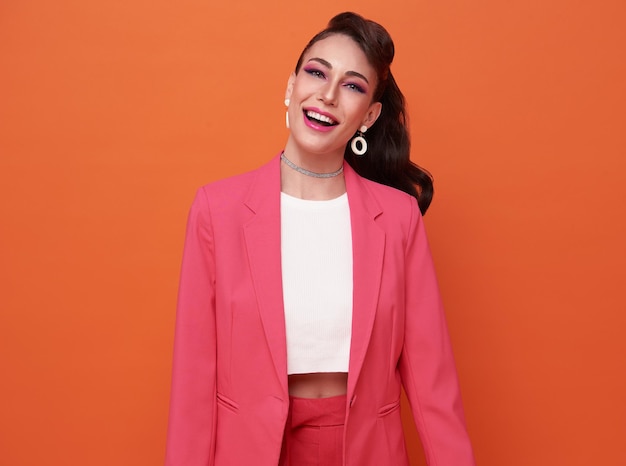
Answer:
(304, 83)
(358, 111)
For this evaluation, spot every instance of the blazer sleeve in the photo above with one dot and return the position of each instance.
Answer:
(191, 429)
(427, 364)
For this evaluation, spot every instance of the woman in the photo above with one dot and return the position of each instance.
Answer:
(307, 294)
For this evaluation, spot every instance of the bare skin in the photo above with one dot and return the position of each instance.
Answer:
(319, 385)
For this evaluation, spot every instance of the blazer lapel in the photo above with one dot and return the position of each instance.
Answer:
(262, 237)
(368, 246)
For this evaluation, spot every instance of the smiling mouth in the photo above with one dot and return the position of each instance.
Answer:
(320, 119)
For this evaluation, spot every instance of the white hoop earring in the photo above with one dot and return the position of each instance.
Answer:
(287, 113)
(359, 140)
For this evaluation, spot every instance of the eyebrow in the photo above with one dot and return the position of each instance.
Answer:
(329, 66)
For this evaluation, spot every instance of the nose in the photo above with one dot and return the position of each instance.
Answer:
(328, 93)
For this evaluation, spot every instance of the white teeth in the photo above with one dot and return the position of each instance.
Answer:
(319, 117)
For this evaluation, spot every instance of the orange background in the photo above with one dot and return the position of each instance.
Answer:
(113, 113)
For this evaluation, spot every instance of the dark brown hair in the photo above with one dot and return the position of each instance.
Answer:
(387, 160)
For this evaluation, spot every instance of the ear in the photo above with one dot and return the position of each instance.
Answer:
(290, 81)
(372, 114)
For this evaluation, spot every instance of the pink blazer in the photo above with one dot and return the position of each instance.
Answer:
(229, 398)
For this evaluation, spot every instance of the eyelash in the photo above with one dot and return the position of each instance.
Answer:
(315, 72)
(319, 74)
(355, 87)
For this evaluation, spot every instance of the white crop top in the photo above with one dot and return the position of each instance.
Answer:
(316, 254)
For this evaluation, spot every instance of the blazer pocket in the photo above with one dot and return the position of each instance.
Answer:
(389, 408)
(227, 403)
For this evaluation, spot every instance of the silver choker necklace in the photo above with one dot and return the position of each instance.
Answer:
(306, 172)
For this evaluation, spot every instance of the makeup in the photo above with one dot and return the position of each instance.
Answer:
(319, 120)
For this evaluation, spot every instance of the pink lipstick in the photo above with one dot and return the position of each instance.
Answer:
(318, 120)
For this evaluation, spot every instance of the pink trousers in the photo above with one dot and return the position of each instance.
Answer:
(314, 432)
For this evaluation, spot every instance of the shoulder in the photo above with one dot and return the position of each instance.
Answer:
(389, 199)
(387, 193)
(230, 185)
(395, 211)
(237, 188)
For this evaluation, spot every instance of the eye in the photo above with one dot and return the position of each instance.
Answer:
(355, 87)
(314, 72)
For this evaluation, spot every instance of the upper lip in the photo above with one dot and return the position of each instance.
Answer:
(321, 112)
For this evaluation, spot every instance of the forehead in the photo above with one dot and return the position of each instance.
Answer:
(342, 53)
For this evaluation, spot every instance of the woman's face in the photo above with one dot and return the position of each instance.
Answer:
(331, 95)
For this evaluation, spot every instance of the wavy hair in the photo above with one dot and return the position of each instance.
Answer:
(388, 158)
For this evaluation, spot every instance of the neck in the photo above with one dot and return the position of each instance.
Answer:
(315, 177)
(316, 162)
(310, 173)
